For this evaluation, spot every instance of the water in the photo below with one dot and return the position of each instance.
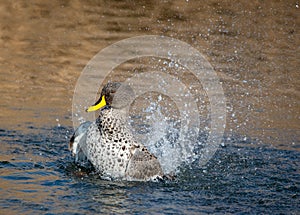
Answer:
(252, 46)
(38, 176)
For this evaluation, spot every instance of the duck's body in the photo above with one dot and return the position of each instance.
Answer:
(111, 148)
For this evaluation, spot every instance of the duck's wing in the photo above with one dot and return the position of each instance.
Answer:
(142, 165)
(77, 142)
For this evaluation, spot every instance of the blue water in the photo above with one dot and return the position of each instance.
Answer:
(38, 176)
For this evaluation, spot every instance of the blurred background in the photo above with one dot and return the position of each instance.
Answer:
(253, 47)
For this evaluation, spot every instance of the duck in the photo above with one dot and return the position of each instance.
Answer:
(108, 143)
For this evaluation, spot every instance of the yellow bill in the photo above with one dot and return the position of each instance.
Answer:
(101, 103)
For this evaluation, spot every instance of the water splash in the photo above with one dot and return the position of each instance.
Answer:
(158, 128)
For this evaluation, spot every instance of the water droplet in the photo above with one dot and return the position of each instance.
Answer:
(159, 98)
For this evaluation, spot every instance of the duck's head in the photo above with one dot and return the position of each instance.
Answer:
(114, 95)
